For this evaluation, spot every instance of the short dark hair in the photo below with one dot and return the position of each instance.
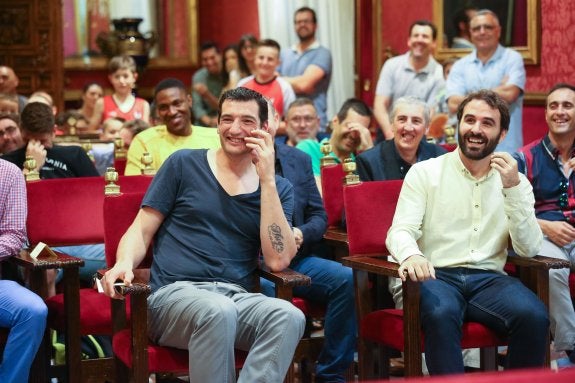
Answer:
(209, 45)
(425, 23)
(307, 9)
(37, 117)
(493, 100)
(169, 83)
(269, 43)
(244, 95)
(356, 105)
(89, 84)
(559, 85)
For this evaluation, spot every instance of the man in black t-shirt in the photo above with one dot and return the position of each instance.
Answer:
(52, 161)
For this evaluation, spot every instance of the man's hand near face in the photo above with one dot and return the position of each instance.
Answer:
(506, 165)
(36, 150)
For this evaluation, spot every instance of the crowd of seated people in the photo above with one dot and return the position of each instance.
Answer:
(235, 146)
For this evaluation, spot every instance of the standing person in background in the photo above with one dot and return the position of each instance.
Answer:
(21, 311)
(9, 84)
(122, 103)
(247, 47)
(266, 81)
(490, 66)
(415, 73)
(207, 85)
(307, 65)
(91, 92)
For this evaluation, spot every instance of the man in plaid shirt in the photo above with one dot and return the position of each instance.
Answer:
(22, 311)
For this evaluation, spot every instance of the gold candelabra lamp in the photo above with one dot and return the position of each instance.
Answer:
(30, 165)
(119, 150)
(450, 134)
(349, 167)
(147, 160)
(111, 177)
(326, 159)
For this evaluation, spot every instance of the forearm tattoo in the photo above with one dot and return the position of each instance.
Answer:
(276, 237)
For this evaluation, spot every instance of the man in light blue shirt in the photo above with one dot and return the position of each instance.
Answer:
(307, 64)
(490, 66)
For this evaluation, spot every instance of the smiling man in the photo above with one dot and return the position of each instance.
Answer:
(173, 104)
(10, 136)
(307, 65)
(416, 73)
(391, 159)
(549, 163)
(490, 66)
(226, 207)
(451, 230)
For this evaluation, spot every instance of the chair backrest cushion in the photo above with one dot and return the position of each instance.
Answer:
(332, 193)
(65, 211)
(119, 213)
(369, 209)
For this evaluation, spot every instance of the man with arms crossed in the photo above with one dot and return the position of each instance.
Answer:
(490, 66)
(459, 258)
(415, 73)
(210, 213)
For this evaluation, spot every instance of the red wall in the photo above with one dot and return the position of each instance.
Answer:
(397, 16)
(225, 21)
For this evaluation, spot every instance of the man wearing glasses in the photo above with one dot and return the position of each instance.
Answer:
(307, 64)
(549, 163)
(490, 66)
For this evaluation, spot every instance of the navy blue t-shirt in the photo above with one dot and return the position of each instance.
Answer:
(207, 235)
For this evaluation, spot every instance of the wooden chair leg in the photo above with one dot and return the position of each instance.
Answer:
(488, 358)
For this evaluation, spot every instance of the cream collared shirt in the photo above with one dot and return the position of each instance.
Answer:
(455, 220)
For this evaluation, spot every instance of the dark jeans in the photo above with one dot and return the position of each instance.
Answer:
(498, 301)
(332, 285)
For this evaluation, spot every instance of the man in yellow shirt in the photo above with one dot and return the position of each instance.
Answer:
(173, 104)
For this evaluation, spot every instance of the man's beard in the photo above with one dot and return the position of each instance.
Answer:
(489, 145)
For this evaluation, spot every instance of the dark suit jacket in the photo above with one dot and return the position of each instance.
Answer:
(371, 166)
(309, 215)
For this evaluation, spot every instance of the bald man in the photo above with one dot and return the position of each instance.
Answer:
(9, 83)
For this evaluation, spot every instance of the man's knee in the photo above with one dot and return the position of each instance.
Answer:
(287, 318)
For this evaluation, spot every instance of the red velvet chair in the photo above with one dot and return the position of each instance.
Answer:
(372, 205)
(137, 356)
(66, 212)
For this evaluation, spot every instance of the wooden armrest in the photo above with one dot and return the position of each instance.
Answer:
(377, 264)
(335, 236)
(285, 278)
(140, 283)
(44, 261)
(539, 261)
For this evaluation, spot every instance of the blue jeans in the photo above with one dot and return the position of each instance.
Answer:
(93, 256)
(25, 314)
(332, 285)
(498, 301)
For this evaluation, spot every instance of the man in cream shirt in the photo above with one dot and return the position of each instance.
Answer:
(450, 231)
